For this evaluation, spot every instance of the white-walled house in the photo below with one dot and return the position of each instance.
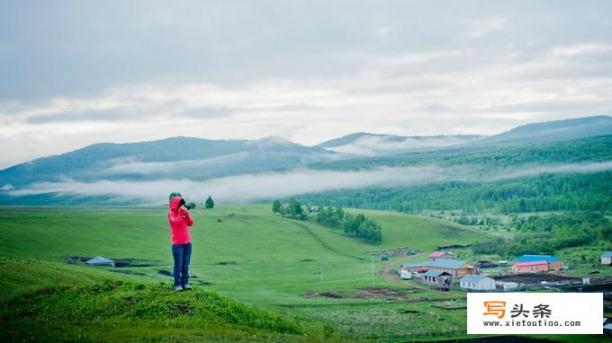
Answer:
(606, 258)
(477, 282)
(405, 275)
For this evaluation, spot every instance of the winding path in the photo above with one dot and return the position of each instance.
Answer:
(323, 244)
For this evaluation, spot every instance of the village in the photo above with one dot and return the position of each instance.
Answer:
(443, 271)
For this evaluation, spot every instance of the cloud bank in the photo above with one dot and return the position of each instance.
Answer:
(77, 72)
(250, 187)
(377, 145)
(131, 166)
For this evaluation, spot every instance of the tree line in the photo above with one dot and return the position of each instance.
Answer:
(358, 225)
(549, 192)
(550, 233)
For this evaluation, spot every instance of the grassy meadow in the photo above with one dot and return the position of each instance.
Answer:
(258, 276)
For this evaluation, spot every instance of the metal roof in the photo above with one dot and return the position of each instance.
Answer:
(474, 278)
(607, 254)
(413, 265)
(434, 273)
(535, 258)
(446, 263)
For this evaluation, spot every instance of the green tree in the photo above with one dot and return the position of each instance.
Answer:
(210, 203)
(295, 210)
(276, 206)
(353, 225)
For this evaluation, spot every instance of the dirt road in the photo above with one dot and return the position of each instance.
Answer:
(386, 273)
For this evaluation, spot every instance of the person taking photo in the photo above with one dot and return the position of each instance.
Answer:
(180, 222)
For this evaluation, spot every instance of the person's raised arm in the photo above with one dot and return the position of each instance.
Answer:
(187, 217)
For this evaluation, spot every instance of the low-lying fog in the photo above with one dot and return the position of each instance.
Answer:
(250, 187)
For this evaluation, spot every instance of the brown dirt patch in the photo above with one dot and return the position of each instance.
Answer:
(534, 278)
(381, 293)
(393, 252)
(326, 294)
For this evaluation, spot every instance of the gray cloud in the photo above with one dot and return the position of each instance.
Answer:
(76, 73)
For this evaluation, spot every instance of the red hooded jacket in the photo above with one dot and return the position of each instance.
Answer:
(180, 221)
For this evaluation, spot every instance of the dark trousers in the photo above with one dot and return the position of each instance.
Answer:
(182, 257)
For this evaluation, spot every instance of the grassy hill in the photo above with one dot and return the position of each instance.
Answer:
(234, 247)
(318, 281)
(43, 301)
(257, 277)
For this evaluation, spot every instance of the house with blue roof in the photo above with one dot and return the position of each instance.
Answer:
(477, 282)
(606, 258)
(535, 258)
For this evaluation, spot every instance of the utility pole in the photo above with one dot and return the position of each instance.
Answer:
(321, 269)
(372, 269)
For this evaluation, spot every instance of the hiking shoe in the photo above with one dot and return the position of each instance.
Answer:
(187, 288)
(178, 288)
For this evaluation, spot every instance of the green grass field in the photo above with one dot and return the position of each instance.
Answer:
(258, 276)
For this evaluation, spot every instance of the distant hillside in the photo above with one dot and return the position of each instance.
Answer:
(555, 176)
(179, 157)
(558, 130)
(351, 138)
(248, 170)
(370, 144)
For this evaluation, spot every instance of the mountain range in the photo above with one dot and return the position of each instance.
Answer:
(371, 144)
(197, 159)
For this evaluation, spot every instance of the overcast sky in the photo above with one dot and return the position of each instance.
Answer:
(74, 73)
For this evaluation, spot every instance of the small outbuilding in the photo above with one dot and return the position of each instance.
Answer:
(483, 264)
(405, 275)
(477, 282)
(606, 258)
(100, 261)
(507, 286)
(437, 277)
